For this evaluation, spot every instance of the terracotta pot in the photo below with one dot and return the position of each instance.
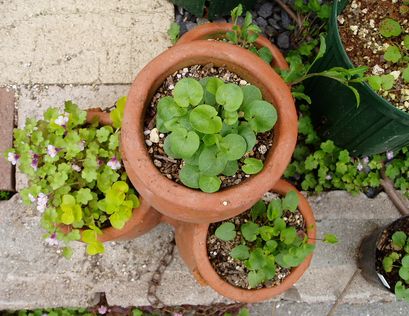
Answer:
(191, 242)
(178, 201)
(218, 30)
(143, 219)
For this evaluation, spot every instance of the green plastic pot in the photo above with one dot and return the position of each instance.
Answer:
(374, 126)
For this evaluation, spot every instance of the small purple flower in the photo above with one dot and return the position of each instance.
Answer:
(360, 167)
(114, 164)
(52, 240)
(177, 314)
(52, 151)
(42, 201)
(389, 155)
(102, 310)
(365, 160)
(82, 145)
(31, 198)
(34, 161)
(76, 167)
(328, 177)
(62, 120)
(13, 158)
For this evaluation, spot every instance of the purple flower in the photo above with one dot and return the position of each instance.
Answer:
(114, 164)
(31, 198)
(360, 167)
(76, 167)
(82, 145)
(13, 158)
(62, 120)
(177, 314)
(52, 240)
(328, 177)
(102, 310)
(389, 155)
(365, 160)
(52, 151)
(42, 201)
(34, 161)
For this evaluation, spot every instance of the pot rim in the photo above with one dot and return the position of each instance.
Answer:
(214, 29)
(176, 200)
(208, 273)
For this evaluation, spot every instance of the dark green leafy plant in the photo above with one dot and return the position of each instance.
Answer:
(399, 259)
(211, 125)
(75, 174)
(267, 240)
(4, 195)
(173, 32)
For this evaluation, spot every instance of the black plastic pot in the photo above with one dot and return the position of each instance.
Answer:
(368, 252)
(373, 127)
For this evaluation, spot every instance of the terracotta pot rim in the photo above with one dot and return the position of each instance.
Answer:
(210, 30)
(208, 273)
(176, 200)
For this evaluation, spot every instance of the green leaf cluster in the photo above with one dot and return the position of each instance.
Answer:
(81, 188)
(246, 34)
(50, 312)
(211, 125)
(267, 240)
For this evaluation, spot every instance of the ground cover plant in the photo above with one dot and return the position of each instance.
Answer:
(75, 174)
(211, 125)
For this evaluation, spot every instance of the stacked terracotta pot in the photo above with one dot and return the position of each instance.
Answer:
(191, 211)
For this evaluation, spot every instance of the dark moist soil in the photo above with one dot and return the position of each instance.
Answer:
(384, 248)
(359, 30)
(234, 271)
(154, 140)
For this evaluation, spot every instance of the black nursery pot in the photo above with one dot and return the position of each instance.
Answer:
(369, 250)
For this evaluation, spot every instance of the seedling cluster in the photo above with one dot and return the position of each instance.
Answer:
(211, 125)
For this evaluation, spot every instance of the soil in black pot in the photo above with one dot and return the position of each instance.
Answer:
(359, 30)
(234, 271)
(170, 167)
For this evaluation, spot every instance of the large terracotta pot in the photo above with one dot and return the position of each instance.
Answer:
(191, 242)
(143, 219)
(178, 201)
(218, 30)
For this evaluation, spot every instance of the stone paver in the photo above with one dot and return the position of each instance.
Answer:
(82, 41)
(6, 137)
(35, 275)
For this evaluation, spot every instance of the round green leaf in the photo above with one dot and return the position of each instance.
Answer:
(250, 93)
(168, 109)
(405, 73)
(240, 252)
(187, 92)
(290, 202)
(404, 273)
(209, 184)
(389, 28)
(189, 175)
(233, 146)
(247, 133)
(249, 231)
(230, 118)
(252, 166)
(230, 96)
(392, 54)
(213, 84)
(183, 143)
(261, 115)
(204, 119)
(255, 278)
(226, 231)
(257, 259)
(211, 161)
(231, 168)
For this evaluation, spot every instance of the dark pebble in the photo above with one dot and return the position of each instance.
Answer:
(265, 10)
(261, 22)
(285, 20)
(179, 18)
(276, 17)
(270, 31)
(201, 21)
(183, 28)
(372, 192)
(283, 41)
(220, 20)
(190, 25)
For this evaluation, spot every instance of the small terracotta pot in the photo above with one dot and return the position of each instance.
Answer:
(191, 240)
(178, 201)
(217, 30)
(143, 219)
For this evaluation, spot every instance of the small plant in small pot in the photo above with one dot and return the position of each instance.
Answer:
(76, 176)
(264, 243)
(212, 126)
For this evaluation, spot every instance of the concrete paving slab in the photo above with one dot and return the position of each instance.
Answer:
(80, 41)
(35, 275)
(6, 137)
